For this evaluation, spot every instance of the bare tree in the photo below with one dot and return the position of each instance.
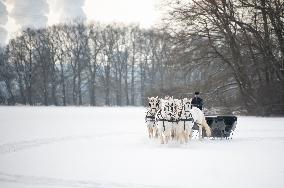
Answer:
(239, 34)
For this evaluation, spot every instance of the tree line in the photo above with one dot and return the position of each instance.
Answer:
(79, 64)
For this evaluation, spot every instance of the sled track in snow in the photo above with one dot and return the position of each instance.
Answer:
(35, 180)
(27, 144)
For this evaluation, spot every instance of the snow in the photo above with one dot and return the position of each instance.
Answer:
(57, 147)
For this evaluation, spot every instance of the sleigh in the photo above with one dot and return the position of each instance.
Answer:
(221, 126)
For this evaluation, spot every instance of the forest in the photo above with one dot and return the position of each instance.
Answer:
(232, 51)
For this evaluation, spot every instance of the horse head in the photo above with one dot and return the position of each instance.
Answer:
(187, 104)
(178, 105)
(167, 107)
(153, 102)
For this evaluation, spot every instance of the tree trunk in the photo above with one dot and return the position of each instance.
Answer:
(45, 90)
(11, 100)
(79, 88)
(120, 86)
(107, 89)
(30, 79)
(126, 83)
(74, 93)
(132, 82)
(142, 81)
(53, 83)
(116, 83)
(92, 85)
(63, 84)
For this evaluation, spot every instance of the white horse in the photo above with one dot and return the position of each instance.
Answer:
(185, 123)
(164, 120)
(198, 118)
(150, 116)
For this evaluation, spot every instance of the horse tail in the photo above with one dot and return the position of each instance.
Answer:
(207, 128)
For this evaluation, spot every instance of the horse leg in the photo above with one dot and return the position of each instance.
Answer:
(149, 131)
(200, 131)
(152, 132)
(178, 134)
(181, 135)
(156, 133)
(162, 138)
(186, 136)
(173, 134)
(190, 134)
(176, 131)
(168, 136)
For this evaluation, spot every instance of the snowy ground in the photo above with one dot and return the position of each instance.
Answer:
(60, 147)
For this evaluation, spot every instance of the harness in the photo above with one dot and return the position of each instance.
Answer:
(172, 120)
(150, 116)
(160, 118)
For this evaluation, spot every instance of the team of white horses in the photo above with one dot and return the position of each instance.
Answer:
(170, 118)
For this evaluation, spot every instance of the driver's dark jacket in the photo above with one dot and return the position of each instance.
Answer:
(197, 102)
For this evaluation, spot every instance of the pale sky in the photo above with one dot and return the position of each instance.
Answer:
(144, 12)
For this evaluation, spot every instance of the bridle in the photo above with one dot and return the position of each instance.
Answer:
(151, 117)
(187, 103)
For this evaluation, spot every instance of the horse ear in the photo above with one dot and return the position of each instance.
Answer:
(148, 98)
(157, 97)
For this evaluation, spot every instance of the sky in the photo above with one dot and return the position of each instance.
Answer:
(16, 14)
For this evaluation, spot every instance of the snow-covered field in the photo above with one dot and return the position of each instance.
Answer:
(100, 147)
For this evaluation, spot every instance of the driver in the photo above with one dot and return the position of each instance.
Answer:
(197, 101)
